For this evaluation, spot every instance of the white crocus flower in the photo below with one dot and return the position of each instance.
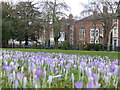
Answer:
(66, 73)
(16, 84)
(0, 60)
(22, 69)
(24, 82)
(34, 70)
(50, 80)
(57, 76)
(14, 75)
(11, 63)
(106, 79)
(44, 78)
(72, 76)
(89, 72)
(35, 81)
(6, 62)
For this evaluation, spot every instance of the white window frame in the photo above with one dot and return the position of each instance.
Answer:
(92, 37)
(82, 33)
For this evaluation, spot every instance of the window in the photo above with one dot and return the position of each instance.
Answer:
(82, 32)
(92, 40)
(115, 43)
(97, 33)
(94, 34)
(115, 30)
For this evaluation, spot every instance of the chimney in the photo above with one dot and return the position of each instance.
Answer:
(63, 18)
(70, 16)
(105, 9)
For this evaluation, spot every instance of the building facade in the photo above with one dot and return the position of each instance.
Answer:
(88, 32)
(119, 32)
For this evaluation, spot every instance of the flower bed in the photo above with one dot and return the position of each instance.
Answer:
(56, 70)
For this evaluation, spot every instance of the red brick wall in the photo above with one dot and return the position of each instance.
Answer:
(87, 25)
(119, 29)
(119, 32)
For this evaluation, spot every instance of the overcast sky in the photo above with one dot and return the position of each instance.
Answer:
(75, 5)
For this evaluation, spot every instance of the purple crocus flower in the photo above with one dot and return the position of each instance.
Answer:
(7, 68)
(56, 69)
(89, 72)
(75, 66)
(11, 75)
(16, 84)
(90, 85)
(20, 75)
(78, 84)
(95, 78)
(38, 73)
(82, 63)
(90, 82)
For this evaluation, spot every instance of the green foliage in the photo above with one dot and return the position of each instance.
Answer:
(6, 23)
(88, 47)
(28, 21)
(118, 48)
(96, 47)
(65, 45)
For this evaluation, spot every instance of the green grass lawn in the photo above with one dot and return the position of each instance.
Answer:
(111, 55)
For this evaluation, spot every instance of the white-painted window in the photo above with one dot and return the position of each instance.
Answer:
(115, 30)
(94, 34)
(82, 33)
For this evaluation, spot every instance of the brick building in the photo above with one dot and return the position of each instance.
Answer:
(118, 32)
(67, 30)
(85, 29)
(90, 30)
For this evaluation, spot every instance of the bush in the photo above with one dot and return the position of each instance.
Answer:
(97, 47)
(65, 45)
(87, 47)
(74, 47)
(118, 48)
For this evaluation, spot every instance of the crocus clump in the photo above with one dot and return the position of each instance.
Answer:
(57, 70)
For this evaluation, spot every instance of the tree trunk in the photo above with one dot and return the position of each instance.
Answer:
(47, 42)
(108, 46)
(4, 43)
(20, 43)
(109, 40)
(56, 43)
(26, 39)
(36, 44)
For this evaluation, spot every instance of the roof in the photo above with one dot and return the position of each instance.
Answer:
(99, 17)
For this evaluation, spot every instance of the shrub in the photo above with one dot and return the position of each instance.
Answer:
(88, 47)
(118, 48)
(73, 47)
(65, 45)
(97, 47)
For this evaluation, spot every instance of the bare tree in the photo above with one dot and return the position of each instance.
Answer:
(106, 16)
(54, 9)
